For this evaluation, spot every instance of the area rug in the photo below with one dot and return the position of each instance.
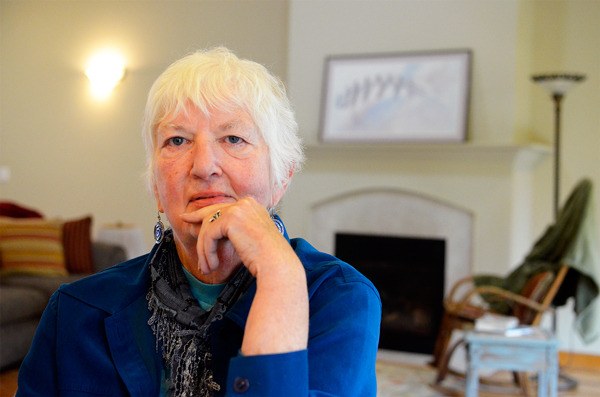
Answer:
(396, 379)
(407, 379)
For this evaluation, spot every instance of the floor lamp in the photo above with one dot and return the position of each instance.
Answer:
(558, 85)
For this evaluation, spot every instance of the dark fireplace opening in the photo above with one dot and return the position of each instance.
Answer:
(409, 275)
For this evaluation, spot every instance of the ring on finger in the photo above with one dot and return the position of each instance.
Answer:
(215, 216)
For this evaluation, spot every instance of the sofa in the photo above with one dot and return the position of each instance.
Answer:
(38, 255)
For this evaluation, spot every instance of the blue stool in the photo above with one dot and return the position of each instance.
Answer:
(535, 351)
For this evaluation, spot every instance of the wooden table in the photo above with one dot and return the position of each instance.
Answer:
(533, 352)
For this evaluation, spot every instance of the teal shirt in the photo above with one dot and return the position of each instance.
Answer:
(205, 294)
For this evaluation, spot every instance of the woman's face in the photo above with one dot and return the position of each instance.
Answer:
(200, 161)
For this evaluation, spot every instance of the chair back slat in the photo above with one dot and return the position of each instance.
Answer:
(541, 288)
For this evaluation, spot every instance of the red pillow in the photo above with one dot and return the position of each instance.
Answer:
(77, 245)
(13, 210)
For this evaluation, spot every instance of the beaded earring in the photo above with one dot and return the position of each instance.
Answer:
(159, 230)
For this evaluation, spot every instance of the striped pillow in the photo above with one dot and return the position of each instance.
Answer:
(77, 245)
(31, 246)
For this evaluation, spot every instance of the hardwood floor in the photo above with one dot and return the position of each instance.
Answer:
(585, 369)
(589, 382)
(8, 383)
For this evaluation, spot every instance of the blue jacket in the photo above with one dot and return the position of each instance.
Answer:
(93, 338)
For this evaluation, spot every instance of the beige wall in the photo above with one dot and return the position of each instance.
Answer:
(488, 28)
(71, 156)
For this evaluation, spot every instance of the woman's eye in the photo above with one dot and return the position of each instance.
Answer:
(233, 139)
(176, 141)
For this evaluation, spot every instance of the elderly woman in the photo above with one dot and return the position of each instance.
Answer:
(225, 303)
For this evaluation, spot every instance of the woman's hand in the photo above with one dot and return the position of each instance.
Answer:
(244, 231)
(244, 226)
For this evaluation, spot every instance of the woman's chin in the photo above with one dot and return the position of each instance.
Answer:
(229, 261)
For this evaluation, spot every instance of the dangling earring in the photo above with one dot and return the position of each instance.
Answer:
(276, 220)
(159, 230)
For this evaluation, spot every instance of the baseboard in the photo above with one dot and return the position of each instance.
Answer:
(579, 360)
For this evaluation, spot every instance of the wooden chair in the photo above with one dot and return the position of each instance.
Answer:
(464, 304)
(569, 245)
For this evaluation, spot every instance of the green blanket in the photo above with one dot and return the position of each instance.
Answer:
(572, 240)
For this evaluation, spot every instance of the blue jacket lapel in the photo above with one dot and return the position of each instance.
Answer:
(132, 345)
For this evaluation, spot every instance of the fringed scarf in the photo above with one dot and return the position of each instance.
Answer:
(182, 328)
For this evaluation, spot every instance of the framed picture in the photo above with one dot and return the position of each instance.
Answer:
(406, 97)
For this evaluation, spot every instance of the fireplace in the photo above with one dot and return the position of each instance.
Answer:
(479, 197)
(409, 275)
(414, 237)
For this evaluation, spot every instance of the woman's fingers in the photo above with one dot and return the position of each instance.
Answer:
(209, 238)
(203, 214)
(235, 232)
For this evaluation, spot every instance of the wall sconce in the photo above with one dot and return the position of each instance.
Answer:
(105, 70)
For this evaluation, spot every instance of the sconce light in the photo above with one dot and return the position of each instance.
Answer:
(105, 70)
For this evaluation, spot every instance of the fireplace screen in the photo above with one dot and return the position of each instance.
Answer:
(409, 274)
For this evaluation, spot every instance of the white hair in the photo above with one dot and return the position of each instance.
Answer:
(217, 78)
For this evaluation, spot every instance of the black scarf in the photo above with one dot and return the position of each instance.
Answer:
(182, 328)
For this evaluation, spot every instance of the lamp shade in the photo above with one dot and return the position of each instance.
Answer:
(128, 236)
(558, 84)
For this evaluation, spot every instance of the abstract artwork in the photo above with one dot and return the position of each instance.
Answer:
(407, 97)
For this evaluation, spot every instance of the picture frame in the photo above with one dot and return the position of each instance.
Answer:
(401, 97)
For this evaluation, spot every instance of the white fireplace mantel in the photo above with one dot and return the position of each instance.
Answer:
(493, 182)
(395, 213)
(518, 156)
